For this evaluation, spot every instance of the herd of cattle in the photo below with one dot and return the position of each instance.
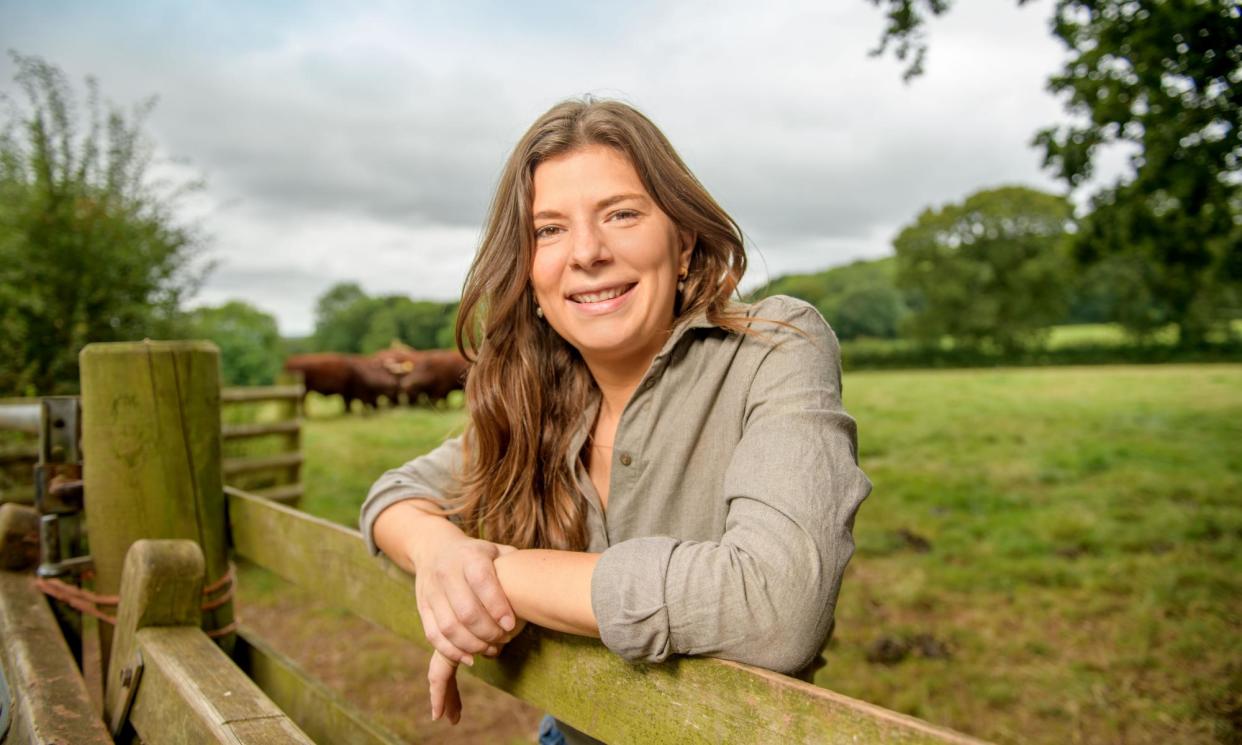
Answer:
(397, 374)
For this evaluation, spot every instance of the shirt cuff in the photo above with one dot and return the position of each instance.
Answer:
(627, 596)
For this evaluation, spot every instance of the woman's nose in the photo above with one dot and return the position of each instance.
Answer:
(589, 247)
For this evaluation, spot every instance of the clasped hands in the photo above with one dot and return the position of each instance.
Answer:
(464, 611)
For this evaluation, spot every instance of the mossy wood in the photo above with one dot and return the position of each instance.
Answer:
(186, 690)
(19, 537)
(285, 494)
(260, 429)
(161, 585)
(312, 706)
(293, 440)
(51, 703)
(151, 432)
(237, 466)
(191, 693)
(261, 393)
(684, 700)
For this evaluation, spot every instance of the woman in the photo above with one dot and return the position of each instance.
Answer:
(646, 461)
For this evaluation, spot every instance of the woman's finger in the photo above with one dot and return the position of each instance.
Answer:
(486, 587)
(452, 700)
(453, 633)
(441, 678)
(435, 635)
(479, 601)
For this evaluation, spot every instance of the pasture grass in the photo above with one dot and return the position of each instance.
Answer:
(1049, 555)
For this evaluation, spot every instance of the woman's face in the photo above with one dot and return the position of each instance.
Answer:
(607, 258)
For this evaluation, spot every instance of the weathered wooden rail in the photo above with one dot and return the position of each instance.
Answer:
(281, 472)
(156, 510)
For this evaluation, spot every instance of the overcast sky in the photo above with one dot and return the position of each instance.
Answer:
(361, 141)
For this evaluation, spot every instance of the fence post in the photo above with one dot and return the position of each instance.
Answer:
(293, 410)
(151, 452)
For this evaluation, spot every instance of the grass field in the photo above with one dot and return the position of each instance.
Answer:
(1050, 555)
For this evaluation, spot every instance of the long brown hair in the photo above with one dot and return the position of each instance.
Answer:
(528, 388)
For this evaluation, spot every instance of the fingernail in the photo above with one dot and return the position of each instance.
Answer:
(507, 623)
(469, 660)
(492, 651)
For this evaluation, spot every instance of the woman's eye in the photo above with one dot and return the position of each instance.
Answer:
(624, 215)
(547, 231)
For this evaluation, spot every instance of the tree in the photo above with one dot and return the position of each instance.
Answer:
(991, 269)
(248, 338)
(349, 320)
(1164, 76)
(91, 248)
(857, 299)
(342, 316)
(873, 311)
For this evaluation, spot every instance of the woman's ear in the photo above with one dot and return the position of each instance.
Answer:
(688, 239)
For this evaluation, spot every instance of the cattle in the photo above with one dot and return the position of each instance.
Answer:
(400, 370)
(327, 373)
(352, 377)
(372, 380)
(443, 371)
(430, 374)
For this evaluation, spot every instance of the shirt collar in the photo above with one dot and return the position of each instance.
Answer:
(680, 329)
(688, 323)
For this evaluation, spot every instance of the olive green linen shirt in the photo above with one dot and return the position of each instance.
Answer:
(734, 486)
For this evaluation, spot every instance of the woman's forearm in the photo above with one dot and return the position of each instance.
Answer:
(406, 531)
(551, 588)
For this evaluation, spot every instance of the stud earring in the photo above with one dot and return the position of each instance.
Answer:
(539, 311)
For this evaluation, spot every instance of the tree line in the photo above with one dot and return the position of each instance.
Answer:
(93, 248)
(997, 271)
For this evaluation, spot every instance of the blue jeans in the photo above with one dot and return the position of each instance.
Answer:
(548, 733)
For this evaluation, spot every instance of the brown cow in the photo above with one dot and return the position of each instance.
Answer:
(442, 371)
(371, 380)
(432, 374)
(327, 373)
(348, 376)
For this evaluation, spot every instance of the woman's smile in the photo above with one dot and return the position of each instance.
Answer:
(606, 257)
(606, 300)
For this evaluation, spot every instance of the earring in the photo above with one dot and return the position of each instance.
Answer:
(539, 311)
(681, 279)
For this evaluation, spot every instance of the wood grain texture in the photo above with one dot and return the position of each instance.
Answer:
(261, 393)
(312, 706)
(52, 704)
(191, 693)
(151, 432)
(289, 494)
(684, 700)
(161, 585)
(260, 429)
(19, 537)
(235, 466)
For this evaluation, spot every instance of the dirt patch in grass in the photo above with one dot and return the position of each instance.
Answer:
(381, 674)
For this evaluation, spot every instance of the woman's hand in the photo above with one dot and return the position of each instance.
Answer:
(442, 681)
(463, 608)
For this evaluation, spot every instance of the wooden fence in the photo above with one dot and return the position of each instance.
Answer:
(278, 475)
(161, 525)
(280, 472)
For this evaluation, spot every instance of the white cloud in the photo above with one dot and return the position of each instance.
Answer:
(363, 144)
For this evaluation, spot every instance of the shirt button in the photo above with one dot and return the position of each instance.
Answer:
(626, 459)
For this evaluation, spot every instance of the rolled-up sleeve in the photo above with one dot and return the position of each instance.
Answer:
(764, 594)
(429, 476)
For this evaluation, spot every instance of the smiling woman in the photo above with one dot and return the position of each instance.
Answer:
(647, 460)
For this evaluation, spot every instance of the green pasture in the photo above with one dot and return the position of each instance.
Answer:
(1050, 555)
